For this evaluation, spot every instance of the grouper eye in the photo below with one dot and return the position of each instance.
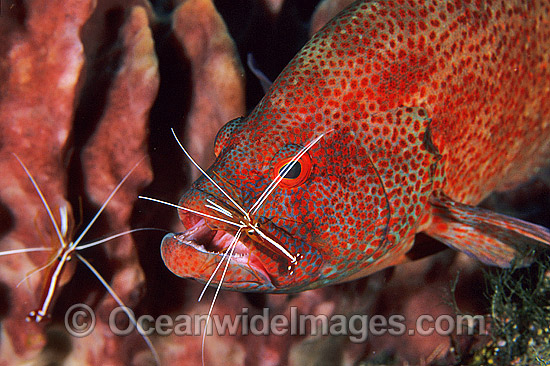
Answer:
(294, 175)
(291, 172)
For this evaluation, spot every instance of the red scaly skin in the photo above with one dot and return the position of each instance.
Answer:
(425, 106)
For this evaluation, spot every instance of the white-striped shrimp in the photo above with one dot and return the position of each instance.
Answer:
(242, 220)
(69, 248)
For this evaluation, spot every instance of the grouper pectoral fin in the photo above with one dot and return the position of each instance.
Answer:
(492, 238)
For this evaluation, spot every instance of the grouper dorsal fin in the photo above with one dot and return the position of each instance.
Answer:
(492, 238)
(258, 73)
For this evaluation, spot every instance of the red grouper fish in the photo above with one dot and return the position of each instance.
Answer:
(398, 117)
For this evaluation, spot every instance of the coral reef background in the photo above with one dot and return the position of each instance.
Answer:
(87, 89)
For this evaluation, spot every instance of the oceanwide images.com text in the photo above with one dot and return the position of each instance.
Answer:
(80, 321)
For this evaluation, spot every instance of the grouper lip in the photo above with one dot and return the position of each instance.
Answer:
(209, 239)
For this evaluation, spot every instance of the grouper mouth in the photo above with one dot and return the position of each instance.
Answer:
(269, 255)
(197, 251)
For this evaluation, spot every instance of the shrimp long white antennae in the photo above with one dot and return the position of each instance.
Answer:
(25, 250)
(233, 245)
(240, 226)
(44, 202)
(114, 236)
(210, 179)
(122, 306)
(192, 211)
(213, 205)
(107, 200)
(262, 199)
(216, 269)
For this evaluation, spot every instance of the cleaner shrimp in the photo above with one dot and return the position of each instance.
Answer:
(70, 248)
(244, 224)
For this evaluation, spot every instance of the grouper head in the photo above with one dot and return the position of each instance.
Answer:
(293, 207)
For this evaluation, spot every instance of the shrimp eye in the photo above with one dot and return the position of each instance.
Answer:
(294, 175)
